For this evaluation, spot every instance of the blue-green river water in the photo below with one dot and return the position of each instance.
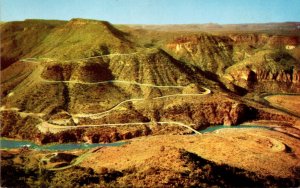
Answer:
(14, 144)
(217, 127)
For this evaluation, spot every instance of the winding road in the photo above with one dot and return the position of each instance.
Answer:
(276, 146)
(74, 162)
(45, 127)
(36, 60)
(111, 81)
(102, 114)
(48, 127)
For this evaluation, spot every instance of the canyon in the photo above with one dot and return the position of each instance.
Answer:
(89, 81)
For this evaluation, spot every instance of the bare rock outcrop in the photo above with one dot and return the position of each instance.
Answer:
(257, 40)
(205, 114)
(296, 76)
(209, 53)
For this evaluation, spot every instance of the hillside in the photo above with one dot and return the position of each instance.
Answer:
(59, 39)
(196, 98)
(83, 67)
(82, 38)
(20, 38)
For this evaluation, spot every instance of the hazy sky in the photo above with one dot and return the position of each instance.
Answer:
(155, 11)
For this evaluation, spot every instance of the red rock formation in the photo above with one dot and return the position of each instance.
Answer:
(296, 76)
(264, 39)
(224, 113)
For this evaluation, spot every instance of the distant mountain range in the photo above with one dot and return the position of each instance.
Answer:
(286, 27)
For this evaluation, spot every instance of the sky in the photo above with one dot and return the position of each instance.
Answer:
(154, 11)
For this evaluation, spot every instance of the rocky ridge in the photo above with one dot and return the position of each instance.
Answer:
(88, 72)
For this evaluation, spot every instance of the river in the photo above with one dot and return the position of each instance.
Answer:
(14, 144)
(217, 127)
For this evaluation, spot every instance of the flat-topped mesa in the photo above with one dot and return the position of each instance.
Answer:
(80, 21)
(80, 38)
(75, 39)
